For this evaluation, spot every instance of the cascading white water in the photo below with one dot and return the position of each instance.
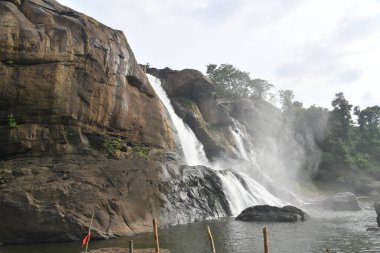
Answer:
(192, 149)
(240, 189)
(240, 144)
(247, 193)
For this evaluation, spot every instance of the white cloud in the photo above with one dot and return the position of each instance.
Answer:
(316, 48)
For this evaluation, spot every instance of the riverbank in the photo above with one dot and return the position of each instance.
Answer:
(338, 231)
(124, 250)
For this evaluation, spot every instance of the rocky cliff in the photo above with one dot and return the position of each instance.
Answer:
(81, 130)
(68, 81)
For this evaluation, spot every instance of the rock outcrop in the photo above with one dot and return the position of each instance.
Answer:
(51, 199)
(193, 99)
(193, 193)
(272, 214)
(345, 201)
(68, 81)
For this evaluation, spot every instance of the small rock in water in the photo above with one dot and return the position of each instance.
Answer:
(375, 229)
(377, 207)
(272, 213)
(345, 201)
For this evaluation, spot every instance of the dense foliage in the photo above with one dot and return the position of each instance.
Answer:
(346, 146)
(232, 82)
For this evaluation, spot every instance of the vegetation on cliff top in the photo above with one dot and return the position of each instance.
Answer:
(232, 82)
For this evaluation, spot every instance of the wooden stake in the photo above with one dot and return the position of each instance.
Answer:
(211, 239)
(266, 249)
(155, 234)
(131, 246)
(89, 230)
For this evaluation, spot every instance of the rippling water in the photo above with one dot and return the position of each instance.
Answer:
(337, 231)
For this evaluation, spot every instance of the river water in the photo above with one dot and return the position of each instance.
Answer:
(337, 231)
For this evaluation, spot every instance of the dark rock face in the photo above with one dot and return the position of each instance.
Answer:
(51, 199)
(66, 78)
(345, 201)
(272, 214)
(195, 193)
(185, 83)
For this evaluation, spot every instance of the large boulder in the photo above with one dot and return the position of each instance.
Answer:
(345, 201)
(68, 80)
(272, 214)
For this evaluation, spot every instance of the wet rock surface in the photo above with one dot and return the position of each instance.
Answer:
(272, 214)
(195, 193)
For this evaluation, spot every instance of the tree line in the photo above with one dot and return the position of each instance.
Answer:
(348, 145)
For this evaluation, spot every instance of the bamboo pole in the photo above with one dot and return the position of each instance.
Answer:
(89, 231)
(155, 235)
(265, 234)
(211, 239)
(131, 246)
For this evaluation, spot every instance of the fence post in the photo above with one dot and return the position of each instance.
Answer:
(155, 234)
(266, 249)
(131, 246)
(211, 239)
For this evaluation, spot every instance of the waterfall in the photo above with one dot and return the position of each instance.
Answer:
(192, 149)
(240, 144)
(244, 191)
(240, 189)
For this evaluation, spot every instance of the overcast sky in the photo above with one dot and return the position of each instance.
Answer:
(314, 47)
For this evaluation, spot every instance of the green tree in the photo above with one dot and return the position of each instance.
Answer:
(232, 82)
(261, 88)
(286, 99)
(229, 81)
(368, 121)
(341, 117)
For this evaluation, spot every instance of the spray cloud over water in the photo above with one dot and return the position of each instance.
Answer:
(285, 142)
